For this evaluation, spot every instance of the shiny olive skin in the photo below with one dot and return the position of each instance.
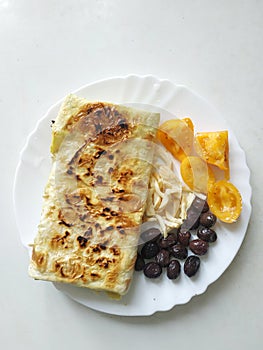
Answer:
(149, 250)
(179, 251)
(208, 219)
(191, 265)
(139, 264)
(173, 269)
(163, 258)
(206, 234)
(167, 242)
(198, 246)
(184, 238)
(152, 270)
(150, 235)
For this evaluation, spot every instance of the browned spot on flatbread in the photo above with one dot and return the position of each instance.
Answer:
(71, 268)
(115, 250)
(40, 259)
(59, 240)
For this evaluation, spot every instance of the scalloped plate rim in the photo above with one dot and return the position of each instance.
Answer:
(153, 309)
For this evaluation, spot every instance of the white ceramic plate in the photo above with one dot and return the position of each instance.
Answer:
(145, 296)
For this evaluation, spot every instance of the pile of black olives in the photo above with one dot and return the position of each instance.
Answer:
(156, 252)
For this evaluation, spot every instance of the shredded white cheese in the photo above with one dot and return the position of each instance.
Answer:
(168, 200)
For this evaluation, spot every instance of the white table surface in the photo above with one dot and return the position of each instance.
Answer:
(49, 48)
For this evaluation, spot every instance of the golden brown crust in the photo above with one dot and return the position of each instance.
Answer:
(95, 196)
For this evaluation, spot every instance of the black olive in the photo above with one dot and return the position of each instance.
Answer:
(206, 234)
(167, 242)
(152, 270)
(184, 237)
(139, 264)
(179, 251)
(198, 246)
(149, 250)
(191, 265)
(163, 258)
(207, 219)
(173, 269)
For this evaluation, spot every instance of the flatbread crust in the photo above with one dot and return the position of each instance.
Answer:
(95, 196)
